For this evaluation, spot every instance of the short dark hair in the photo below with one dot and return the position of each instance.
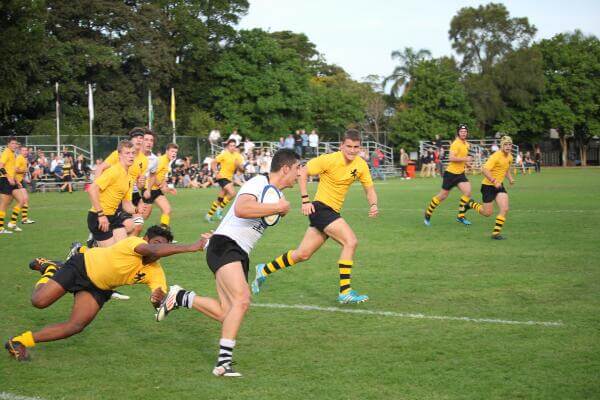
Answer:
(137, 131)
(284, 157)
(172, 146)
(157, 230)
(10, 139)
(352, 134)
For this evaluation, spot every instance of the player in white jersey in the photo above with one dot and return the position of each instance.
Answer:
(227, 256)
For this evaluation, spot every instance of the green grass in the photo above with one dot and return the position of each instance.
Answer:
(547, 270)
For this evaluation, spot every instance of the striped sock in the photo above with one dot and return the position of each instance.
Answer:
(185, 298)
(49, 272)
(224, 202)
(24, 212)
(500, 220)
(2, 216)
(25, 338)
(15, 214)
(462, 206)
(345, 267)
(214, 206)
(435, 201)
(475, 206)
(165, 219)
(225, 351)
(283, 261)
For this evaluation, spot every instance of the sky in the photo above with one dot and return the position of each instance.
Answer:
(359, 36)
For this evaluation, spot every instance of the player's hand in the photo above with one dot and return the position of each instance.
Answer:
(373, 211)
(141, 181)
(511, 181)
(497, 185)
(283, 206)
(103, 223)
(171, 190)
(157, 297)
(201, 243)
(147, 194)
(308, 208)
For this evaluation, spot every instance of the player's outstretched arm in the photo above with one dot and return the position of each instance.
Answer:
(155, 251)
(246, 206)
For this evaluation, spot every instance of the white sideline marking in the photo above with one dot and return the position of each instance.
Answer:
(10, 396)
(408, 315)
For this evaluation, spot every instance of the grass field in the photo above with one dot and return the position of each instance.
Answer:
(548, 271)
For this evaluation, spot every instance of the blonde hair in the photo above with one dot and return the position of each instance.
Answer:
(505, 140)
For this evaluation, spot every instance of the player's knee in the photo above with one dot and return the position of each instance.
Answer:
(242, 301)
(301, 255)
(351, 242)
(38, 301)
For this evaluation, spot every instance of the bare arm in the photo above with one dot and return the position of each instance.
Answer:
(99, 169)
(307, 206)
(246, 206)
(372, 199)
(509, 176)
(94, 193)
(154, 251)
(213, 166)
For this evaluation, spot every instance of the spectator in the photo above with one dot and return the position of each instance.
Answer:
(56, 161)
(214, 137)
(248, 147)
(298, 143)
(425, 163)
(404, 159)
(538, 159)
(528, 160)
(377, 158)
(313, 143)
(495, 147)
(67, 174)
(519, 162)
(304, 137)
(289, 142)
(434, 157)
(42, 162)
(81, 167)
(235, 136)
(281, 144)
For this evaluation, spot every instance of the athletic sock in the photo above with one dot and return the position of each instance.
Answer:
(225, 351)
(49, 271)
(165, 219)
(25, 338)
(435, 201)
(185, 298)
(24, 212)
(500, 220)
(463, 206)
(283, 261)
(214, 206)
(2, 216)
(15, 214)
(345, 267)
(475, 206)
(224, 202)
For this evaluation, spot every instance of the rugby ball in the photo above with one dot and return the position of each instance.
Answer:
(270, 195)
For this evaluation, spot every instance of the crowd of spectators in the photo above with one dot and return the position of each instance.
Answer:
(61, 167)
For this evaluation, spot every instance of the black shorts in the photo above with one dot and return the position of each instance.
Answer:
(67, 178)
(73, 277)
(489, 193)
(115, 221)
(450, 180)
(223, 250)
(6, 188)
(323, 216)
(223, 182)
(154, 193)
(135, 198)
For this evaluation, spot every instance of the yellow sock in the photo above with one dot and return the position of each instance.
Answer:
(25, 338)
(224, 202)
(24, 213)
(500, 220)
(15, 214)
(213, 207)
(462, 209)
(435, 201)
(2, 215)
(48, 273)
(345, 267)
(283, 261)
(165, 219)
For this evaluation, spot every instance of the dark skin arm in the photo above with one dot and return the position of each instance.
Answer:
(152, 252)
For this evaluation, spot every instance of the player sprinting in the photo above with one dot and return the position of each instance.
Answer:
(230, 161)
(8, 183)
(336, 171)
(22, 206)
(156, 186)
(495, 169)
(455, 176)
(227, 256)
(92, 276)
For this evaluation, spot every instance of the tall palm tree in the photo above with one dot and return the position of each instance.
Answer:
(402, 74)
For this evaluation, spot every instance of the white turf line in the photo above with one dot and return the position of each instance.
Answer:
(408, 315)
(10, 396)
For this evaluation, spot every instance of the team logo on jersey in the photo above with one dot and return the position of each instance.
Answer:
(139, 276)
(354, 173)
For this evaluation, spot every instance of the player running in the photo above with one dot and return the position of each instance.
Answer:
(156, 186)
(230, 160)
(22, 207)
(336, 171)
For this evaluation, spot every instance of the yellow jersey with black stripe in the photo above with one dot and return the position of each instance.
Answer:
(498, 164)
(162, 169)
(137, 169)
(115, 186)
(8, 159)
(228, 162)
(67, 167)
(458, 148)
(20, 165)
(335, 177)
(119, 264)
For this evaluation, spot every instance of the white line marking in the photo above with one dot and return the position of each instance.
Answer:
(10, 396)
(409, 315)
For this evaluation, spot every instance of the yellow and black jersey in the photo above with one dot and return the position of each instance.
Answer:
(8, 159)
(336, 176)
(137, 169)
(498, 164)
(458, 148)
(228, 161)
(115, 186)
(67, 167)
(119, 264)
(162, 169)
(20, 165)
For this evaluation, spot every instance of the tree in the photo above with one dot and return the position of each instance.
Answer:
(374, 105)
(402, 74)
(483, 35)
(436, 104)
